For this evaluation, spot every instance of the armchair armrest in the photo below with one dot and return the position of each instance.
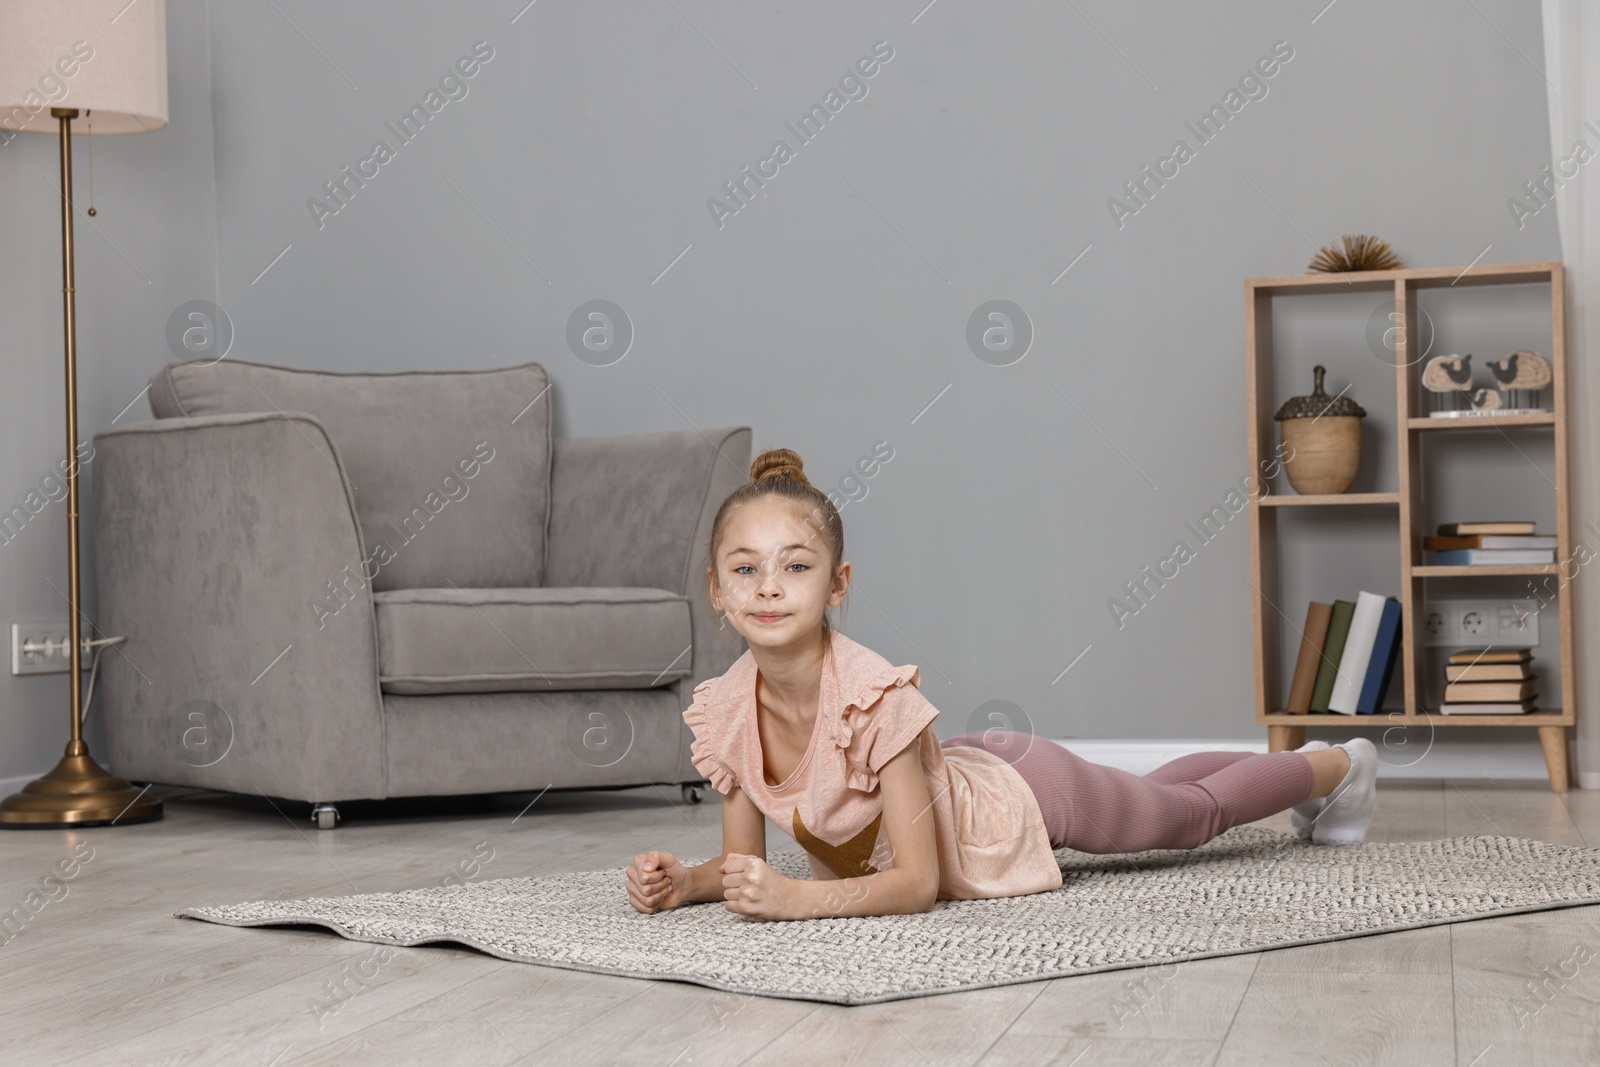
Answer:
(228, 550)
(636, 510)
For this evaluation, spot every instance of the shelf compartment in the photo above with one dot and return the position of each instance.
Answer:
(1314, 499)
(1433, 570)
(1481, 422)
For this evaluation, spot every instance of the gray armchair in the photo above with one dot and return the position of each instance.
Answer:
(339, 587)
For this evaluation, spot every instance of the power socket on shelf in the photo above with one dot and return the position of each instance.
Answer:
(1477, 624)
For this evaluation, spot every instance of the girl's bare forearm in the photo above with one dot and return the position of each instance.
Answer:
(897, 891)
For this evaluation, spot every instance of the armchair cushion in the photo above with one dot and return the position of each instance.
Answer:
(450, 471)
(457, 640)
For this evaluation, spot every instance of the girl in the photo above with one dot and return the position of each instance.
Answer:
(828, 739)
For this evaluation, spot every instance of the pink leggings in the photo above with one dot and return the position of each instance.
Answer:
(1094, 808)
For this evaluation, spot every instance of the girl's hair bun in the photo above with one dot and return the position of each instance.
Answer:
(779, 463)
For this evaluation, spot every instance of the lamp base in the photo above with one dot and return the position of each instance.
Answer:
(78, 792)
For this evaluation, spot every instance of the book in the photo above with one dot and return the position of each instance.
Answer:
(1489, 709)
(1462, 529)
(1485, 692)
(1457, 557)
(1492, 655)
(1487, 672)
(1491, 541)
(1357, 652)
(1312, 636)
(1332, 650)
(1380, 668)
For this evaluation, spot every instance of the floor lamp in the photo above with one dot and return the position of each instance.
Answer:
(105, 63)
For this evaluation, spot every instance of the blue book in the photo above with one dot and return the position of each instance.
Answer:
(1380, 667)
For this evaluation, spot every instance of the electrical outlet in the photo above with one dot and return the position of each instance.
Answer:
(40, 648)
(1478, 624)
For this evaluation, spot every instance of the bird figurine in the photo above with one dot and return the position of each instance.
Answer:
(1450, 375)
(1486, 399)
(1520, 373)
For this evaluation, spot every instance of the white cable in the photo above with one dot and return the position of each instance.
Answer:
(99, 645)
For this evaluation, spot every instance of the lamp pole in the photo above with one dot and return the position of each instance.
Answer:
(65, 115)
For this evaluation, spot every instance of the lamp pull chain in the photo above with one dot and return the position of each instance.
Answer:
(89, 123)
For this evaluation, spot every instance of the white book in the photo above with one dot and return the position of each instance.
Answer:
(1488, 709)
(1352, 670)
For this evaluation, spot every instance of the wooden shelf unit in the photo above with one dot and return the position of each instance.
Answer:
(1287, 730)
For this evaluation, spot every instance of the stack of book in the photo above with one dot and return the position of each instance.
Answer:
(1347, 655)
(1489, 682)
(1480, 543)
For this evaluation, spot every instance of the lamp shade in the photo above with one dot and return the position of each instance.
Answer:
(105, 57)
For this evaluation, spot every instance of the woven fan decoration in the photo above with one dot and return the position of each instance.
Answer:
(1360, 253)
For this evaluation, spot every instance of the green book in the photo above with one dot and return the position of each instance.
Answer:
(1332, 651)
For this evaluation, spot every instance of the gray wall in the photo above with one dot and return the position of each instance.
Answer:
(831, 311)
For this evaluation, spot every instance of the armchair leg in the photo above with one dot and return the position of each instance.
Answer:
(691, 793)
(325, 816)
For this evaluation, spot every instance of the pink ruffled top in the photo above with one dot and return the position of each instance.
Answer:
(991, 834)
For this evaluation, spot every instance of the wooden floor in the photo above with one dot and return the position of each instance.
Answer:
(105, 975)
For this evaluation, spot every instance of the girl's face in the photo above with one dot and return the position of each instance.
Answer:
(771, 575)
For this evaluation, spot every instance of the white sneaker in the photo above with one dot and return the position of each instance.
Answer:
(1304, 815)
(1348, 812)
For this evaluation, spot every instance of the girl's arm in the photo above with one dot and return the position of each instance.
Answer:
(912, 884)
(744, 829)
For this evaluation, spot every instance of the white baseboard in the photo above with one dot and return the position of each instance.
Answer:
(1445, 759)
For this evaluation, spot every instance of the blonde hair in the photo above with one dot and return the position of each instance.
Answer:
(781, 472)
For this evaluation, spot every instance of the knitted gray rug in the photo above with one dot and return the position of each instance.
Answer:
(1246, 890)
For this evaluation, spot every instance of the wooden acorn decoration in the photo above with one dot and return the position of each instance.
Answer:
(1360, 252)
(1323, 435)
